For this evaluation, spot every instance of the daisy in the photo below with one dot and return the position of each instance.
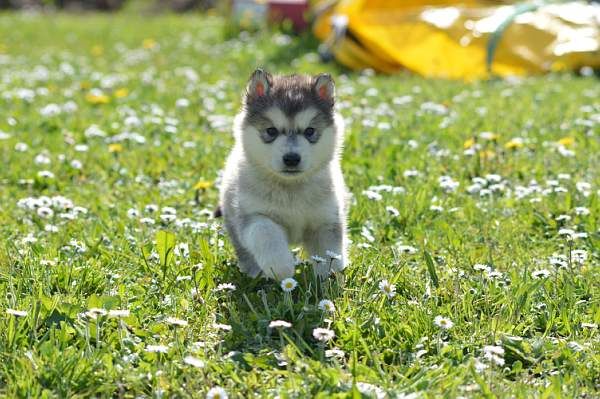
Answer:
(387, 288)
(323, 334)
(17, 313)
(225, 287)
(216, 393)
(176, 322)
(542, 273)
(279, 324)
(288, 284)
(118, 313)
(156, 349)
(335, 352)
(327, 306)
(318, 259)
(443, 322)
(333, 255)
(494, 354)
(392, 211)
(224, 327)
(193, 361)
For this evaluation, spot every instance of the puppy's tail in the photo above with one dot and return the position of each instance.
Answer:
(218, 212)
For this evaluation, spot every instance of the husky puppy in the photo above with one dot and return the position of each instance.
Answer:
(283, 182)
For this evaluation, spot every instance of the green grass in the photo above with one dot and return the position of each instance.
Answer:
(106, 258)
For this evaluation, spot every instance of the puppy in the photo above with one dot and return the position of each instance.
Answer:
(283, 182)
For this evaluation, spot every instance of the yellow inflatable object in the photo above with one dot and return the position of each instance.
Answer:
(460, 39)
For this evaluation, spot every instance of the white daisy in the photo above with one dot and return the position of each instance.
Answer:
(387, 288)
(288, 284)
(323, 334)
(326, 305)
(443, 322)
(217, 393)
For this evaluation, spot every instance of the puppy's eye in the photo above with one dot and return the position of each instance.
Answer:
(270, 134)
(310, 133)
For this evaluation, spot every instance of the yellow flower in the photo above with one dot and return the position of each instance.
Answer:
(97, 98)
(566, 141)
(85, 85)
(469, 143)
(202, 184)
(487, 154)
(149, 43)
(514, 144)
(97, 51)
(115, 147)
(122, 92)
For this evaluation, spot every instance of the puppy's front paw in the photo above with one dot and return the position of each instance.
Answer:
(278, 268)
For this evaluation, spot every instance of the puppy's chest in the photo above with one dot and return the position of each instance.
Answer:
(296, 210)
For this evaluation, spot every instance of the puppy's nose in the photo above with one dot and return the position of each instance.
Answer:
(291, 159)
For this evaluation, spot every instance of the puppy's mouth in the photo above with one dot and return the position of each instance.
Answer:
(291, 172)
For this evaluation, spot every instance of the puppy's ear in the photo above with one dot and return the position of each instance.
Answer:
(259, 84)
(324, 87)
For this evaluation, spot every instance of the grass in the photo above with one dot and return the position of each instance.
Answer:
(492, 256)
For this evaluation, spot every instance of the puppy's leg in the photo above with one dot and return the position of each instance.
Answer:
(268, 244)
(327, 240)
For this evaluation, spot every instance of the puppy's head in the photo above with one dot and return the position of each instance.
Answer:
(288, 125)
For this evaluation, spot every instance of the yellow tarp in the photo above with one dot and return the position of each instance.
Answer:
(461, 39)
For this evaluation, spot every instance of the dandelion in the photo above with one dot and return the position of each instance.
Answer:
(288, 284)
(122, 92)
(443, 322)
(323, 334)
(16, 313)
(194, 362)
(327, 306)
(514, 143)
(217, 393)
(387, 288)
(279, 324)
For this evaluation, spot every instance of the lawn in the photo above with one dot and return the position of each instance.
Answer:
(475, 262)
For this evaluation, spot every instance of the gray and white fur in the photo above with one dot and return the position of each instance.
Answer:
(283, 183)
